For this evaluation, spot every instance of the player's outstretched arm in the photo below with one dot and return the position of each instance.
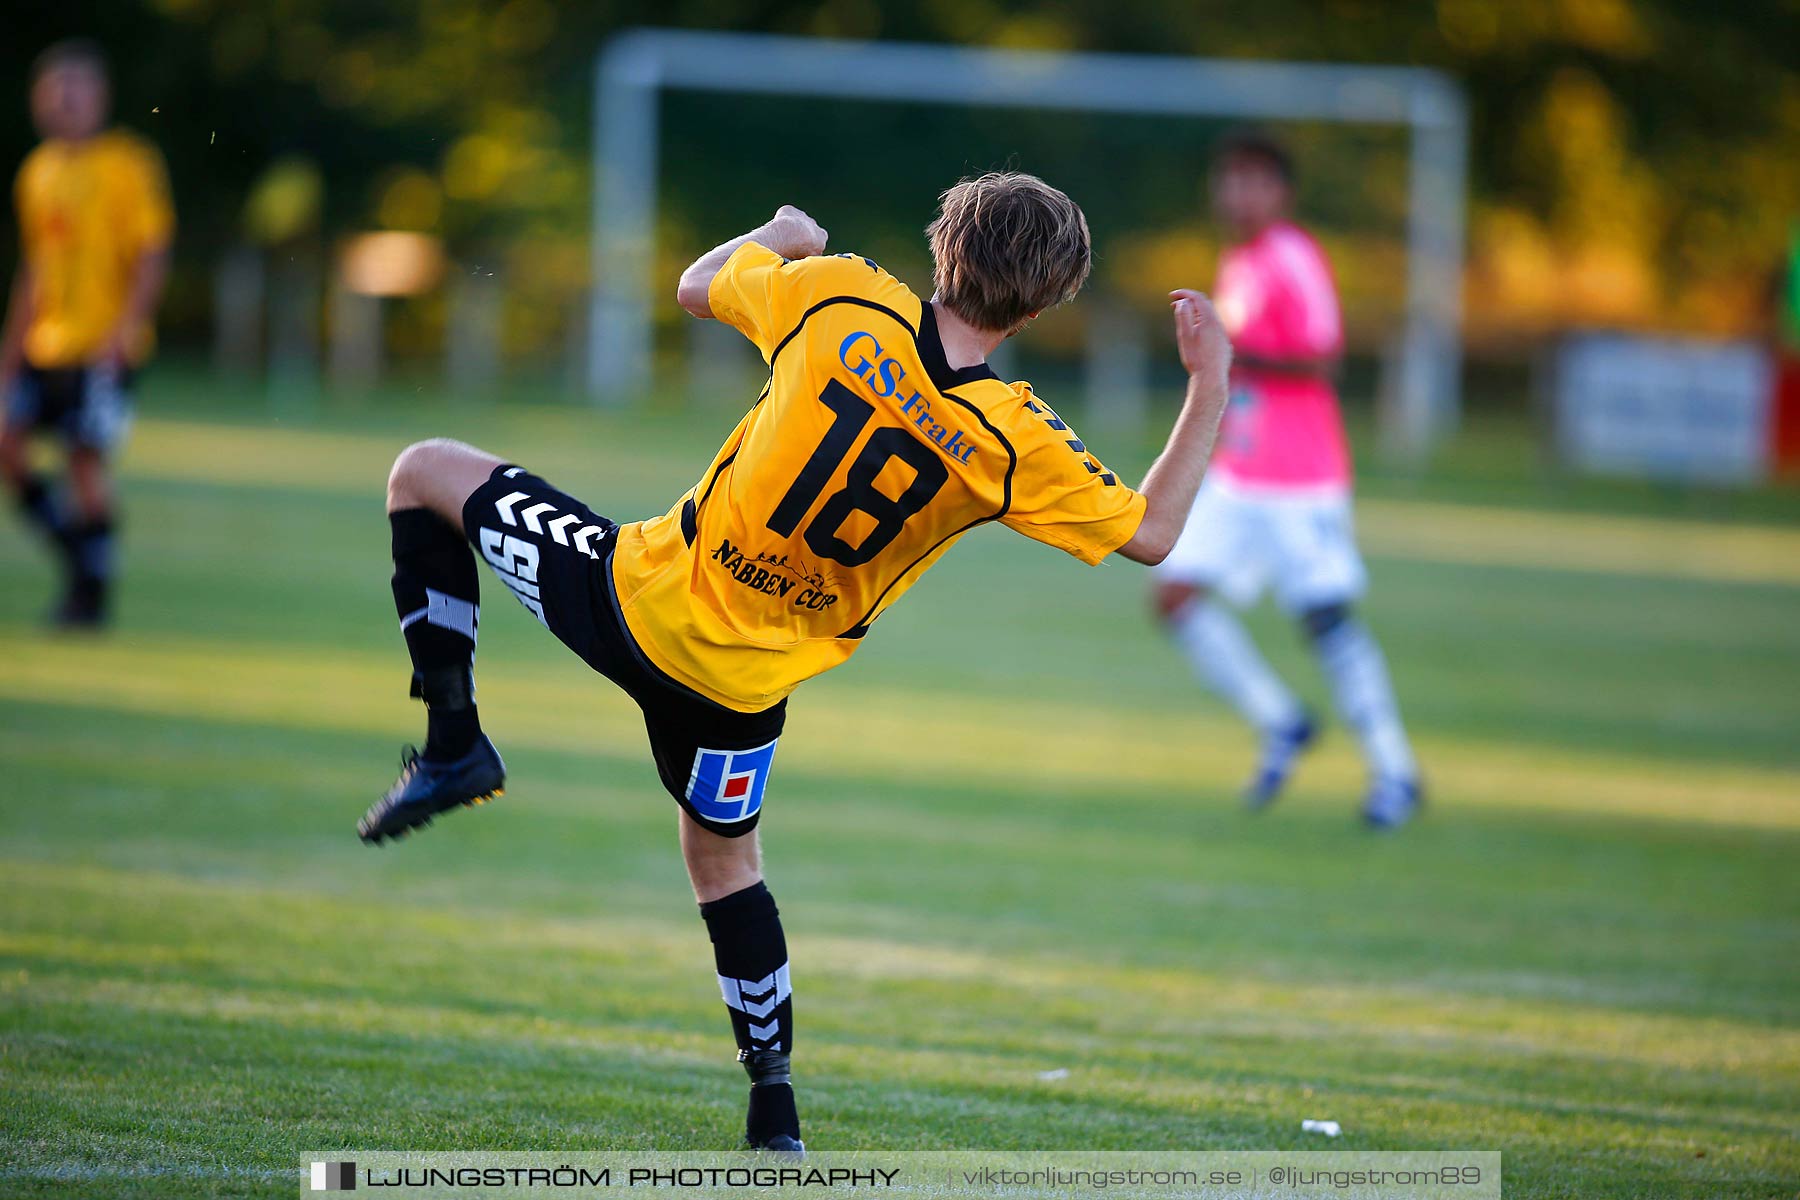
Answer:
(1174, 477)
(789, 233)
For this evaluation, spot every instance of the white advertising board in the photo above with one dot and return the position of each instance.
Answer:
(1664, 408)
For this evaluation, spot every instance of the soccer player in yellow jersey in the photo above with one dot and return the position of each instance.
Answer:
(881, 438)
(94, 229)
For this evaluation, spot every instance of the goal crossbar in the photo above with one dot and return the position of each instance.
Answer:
(635, 67)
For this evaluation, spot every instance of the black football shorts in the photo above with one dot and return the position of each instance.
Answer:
(555, 554)
(87, 407)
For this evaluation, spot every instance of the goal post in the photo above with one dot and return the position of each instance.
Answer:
(636, 67)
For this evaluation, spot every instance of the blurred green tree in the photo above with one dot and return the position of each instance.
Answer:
(1635, 161)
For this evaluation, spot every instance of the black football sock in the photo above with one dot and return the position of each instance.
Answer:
(437, 593)
(88, 544)
(37, 502)
(751, 955)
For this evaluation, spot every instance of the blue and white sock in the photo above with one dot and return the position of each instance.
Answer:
(1358, 675)
(1228, 662)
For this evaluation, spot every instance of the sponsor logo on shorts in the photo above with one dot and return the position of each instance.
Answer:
(775, 575)
(515, 561)
(727, 785)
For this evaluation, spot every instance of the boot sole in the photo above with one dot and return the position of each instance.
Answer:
(396, 825)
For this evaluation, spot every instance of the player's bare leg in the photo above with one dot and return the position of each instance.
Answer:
(718, 866)
(750, 953)
(1228, 662)
(439, 475)
(90, 485)
(437, 595)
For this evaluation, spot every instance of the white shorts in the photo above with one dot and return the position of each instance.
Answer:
(1239, 542)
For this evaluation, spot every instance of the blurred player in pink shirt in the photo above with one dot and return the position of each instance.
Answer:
(1274, 510)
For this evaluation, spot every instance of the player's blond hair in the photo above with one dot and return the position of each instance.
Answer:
(1007, 246)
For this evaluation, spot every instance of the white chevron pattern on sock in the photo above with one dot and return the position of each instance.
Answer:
(768, 991)
(757, 998)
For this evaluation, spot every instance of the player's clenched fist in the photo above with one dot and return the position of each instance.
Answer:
(1205, 347)
(793, 234)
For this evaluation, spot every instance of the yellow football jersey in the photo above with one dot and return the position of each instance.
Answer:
(87, 212)
(864, 460)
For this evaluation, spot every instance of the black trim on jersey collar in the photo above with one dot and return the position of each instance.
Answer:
(931, 353)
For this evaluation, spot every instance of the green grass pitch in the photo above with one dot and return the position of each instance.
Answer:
(1003, 841)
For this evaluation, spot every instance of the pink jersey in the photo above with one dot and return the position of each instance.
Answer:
(1276, 298)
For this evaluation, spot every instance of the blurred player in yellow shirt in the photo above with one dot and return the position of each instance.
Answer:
(95, 223)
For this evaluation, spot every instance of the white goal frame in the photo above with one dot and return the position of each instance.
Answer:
(635, 67)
